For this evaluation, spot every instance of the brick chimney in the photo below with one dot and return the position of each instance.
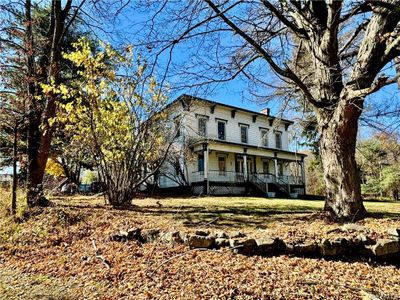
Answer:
(265, 111)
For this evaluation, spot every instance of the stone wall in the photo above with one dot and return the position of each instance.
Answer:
(361, 247)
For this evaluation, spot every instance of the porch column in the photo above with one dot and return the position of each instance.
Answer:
(245, 166)
(276, 167)
(303, 174)
(245, 172)
(206, 183)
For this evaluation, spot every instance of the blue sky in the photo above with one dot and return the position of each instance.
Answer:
(235, 92)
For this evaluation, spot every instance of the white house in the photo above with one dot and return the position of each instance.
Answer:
(223, 149)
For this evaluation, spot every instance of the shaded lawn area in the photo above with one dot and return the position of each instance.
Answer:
(289, 218)
(50, 255)
(237, 212)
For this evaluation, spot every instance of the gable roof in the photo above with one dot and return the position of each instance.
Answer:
(186, 99)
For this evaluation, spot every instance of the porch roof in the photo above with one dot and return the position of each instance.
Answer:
(239, 148)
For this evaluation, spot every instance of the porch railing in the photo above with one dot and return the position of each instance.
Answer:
(238, 177)
(218, 176)
(197, 176)
(226, 176)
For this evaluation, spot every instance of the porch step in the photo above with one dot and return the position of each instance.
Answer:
(280, 190)
(272, 187)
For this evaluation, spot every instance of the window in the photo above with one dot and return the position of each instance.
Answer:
(280, 169)
(221, 165)
(243, 133)
(264, 137)
(221, 130)
(278, 140)
(200, 163)
(202, 126)
(266, 167)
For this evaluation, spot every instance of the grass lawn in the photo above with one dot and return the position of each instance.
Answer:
(50, 255)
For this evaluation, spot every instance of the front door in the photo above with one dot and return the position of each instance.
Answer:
(250, 165)
(221, 165)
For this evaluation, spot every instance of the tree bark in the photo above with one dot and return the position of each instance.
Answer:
(338, 144)
(37, 159)
(34, 169)
(40, 133)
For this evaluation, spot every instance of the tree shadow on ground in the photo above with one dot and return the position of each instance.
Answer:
(222, 215)
(384, 215)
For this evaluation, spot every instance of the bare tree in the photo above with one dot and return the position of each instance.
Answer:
(34, 48)
(12, 116)
(350, 47)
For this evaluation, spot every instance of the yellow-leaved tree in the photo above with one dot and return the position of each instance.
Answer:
(116, 111)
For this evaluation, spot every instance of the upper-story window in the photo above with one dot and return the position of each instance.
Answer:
(264, 137)
(221, 130)
(202, 126)
(177, 125)
(278, 140)
(244, 133)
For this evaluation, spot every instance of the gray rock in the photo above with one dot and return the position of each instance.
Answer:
(173, 237)
(394, 232)
(385, 247)
(123, 233)
(352, 227)
(237, 234)
(289, 248)
(184, 237)
(221, 235)
(221, 242)
(199, 241)
(359, 246)
(134, 234)
(369, 296)
(129, 235)
(331, 248)
(364, 239)
(265, 242)
(308, 248)
(268, 246)
(116, 237)
(244, 246)
(150, 235)
(202, 232)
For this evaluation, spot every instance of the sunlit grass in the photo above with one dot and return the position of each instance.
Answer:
(9, 225)
(275, 204)
(5, 202)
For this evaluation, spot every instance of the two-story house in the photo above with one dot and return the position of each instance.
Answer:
(225, 149)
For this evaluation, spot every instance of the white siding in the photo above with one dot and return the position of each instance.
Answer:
(232, 129)
(189, 134)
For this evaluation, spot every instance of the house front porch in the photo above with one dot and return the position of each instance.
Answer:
(223, 168)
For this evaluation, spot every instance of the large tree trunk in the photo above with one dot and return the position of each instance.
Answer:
(38, 152)
(40, 133)
(35, 168)
(338, 143)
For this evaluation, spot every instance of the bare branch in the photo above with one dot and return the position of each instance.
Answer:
(354, 35)
(283, 72)
(300, 32)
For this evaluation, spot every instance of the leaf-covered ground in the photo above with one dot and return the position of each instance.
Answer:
(51, 254)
